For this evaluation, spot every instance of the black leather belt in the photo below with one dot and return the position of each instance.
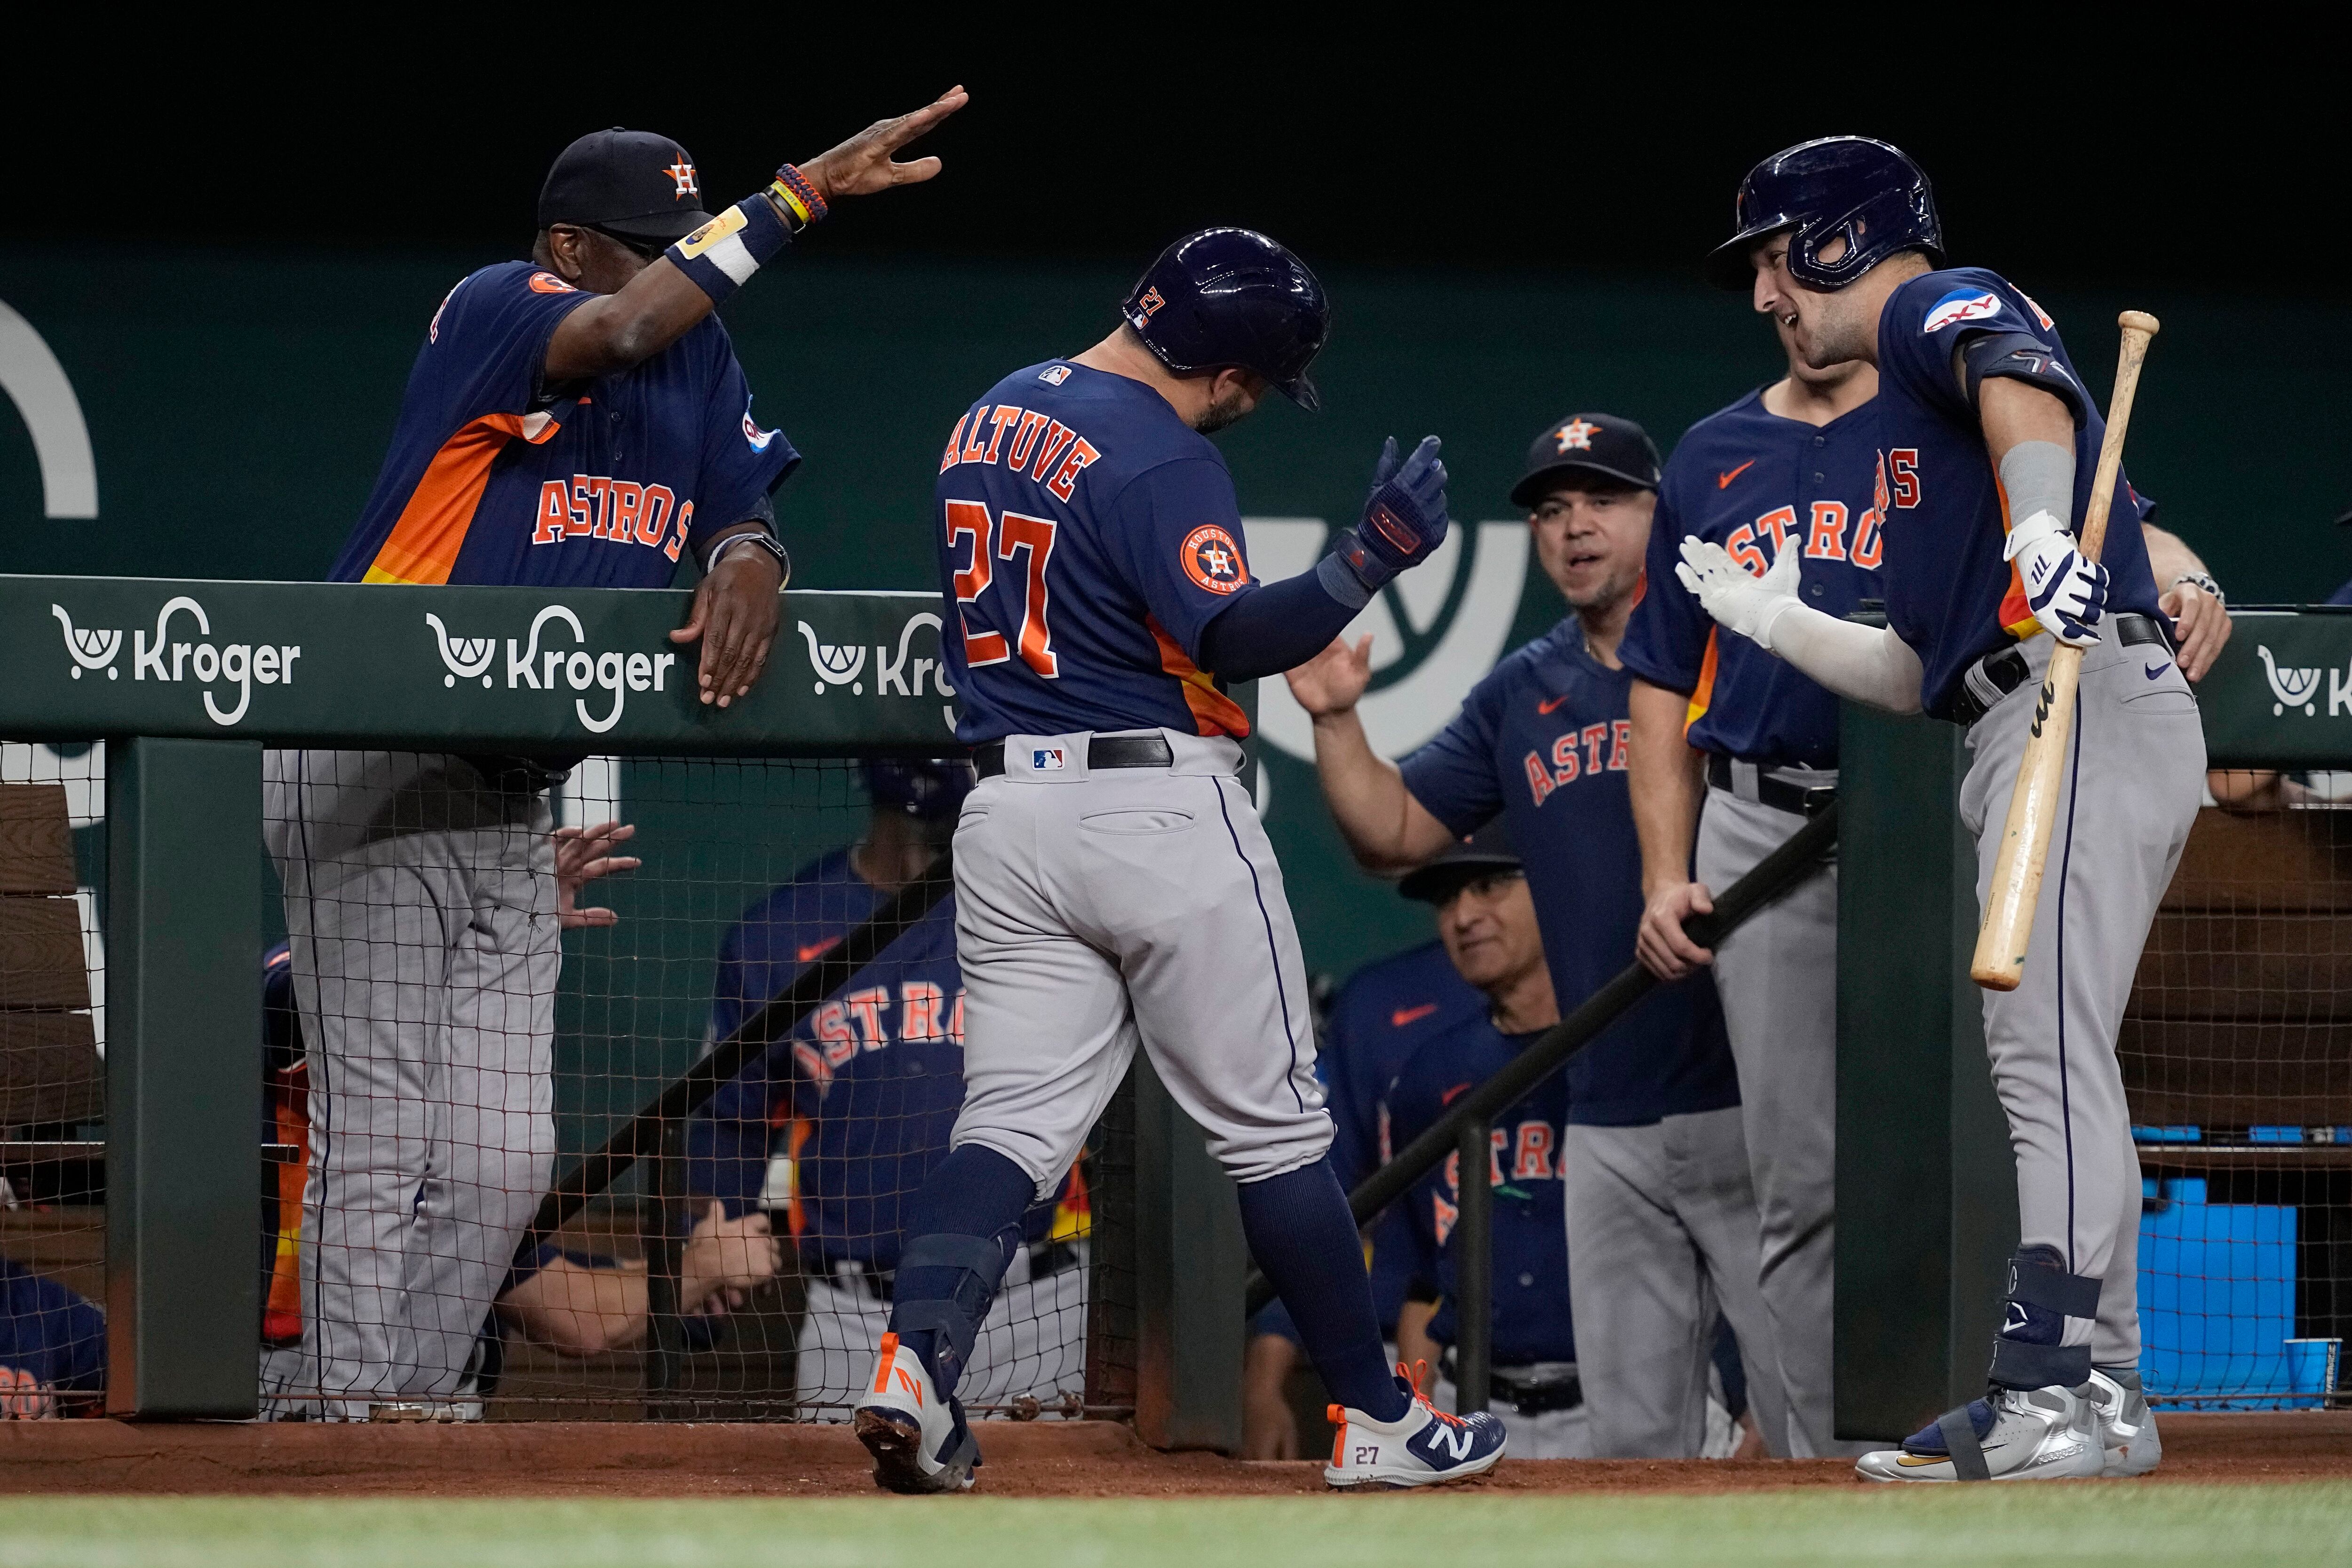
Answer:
(1102, 751)
(1530, 1396)
(1045, 1258)
(1803, 799)
(1997, 674)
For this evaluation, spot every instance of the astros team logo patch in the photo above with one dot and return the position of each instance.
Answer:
(1214, 560)
(1577, 435)
(540, 283)
(681, 174)
(1960, 305)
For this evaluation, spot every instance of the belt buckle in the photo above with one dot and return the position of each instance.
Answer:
(1818, 799)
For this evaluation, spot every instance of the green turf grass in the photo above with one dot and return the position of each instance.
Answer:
(1985, 1527)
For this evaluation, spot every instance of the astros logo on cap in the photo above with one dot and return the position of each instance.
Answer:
(1214, 560)
(682, 172)
(1577, 435)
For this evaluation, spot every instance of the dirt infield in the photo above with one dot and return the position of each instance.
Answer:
(1085, 1458)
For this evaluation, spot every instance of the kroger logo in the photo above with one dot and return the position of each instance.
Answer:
(215, 667)
(897, 672)
(527, 666)
(2296, 687)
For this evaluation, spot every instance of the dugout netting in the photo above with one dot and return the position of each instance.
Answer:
(2237, 1059)
(445, 1042)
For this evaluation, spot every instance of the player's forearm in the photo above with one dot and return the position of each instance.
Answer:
(1868, 664)
(2011, 414)
(620, 331)
(1665, 781)
(1367, 795)
(1275, 628)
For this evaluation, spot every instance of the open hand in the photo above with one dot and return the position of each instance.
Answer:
(581, 855)
(734, 614)
(863, 165)
(1333, 681)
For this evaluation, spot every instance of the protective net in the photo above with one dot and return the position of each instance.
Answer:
(52, 1084)
(2237, 1057)
(598, 1096)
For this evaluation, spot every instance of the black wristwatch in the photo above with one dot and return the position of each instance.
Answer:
(759, 538)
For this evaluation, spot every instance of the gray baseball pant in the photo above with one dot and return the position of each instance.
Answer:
(1032, 1345)
(1778, 977)
(421, 905)
(2134, 775)
(1097, 910)
(1661, 1229)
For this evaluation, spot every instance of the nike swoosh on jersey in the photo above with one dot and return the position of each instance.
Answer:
(1548, 706)
(1723, 481)
(1404, 1016)
(2155, 670)
(1454, 1093)
(817, 949)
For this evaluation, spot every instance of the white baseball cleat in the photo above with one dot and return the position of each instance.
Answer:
(2126, 1425)
(2010, 1434)
(1424, 1446)
(919, 1441)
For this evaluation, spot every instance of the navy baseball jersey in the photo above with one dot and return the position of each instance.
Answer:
(1948, 593)
(1745, 479)
(1543, 741)
(1531, 1320)
(494, 477)
(50, 1331)
(1089, 536)
(862, 1094)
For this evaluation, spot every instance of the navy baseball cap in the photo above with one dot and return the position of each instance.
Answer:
(1483, 854)
(632, 183)
(1588, 442)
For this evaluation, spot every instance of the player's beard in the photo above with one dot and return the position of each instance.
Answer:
(1225, 411)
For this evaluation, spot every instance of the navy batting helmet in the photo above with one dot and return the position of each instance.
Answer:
(1865, 192)
(1233, 297)
(930, 790)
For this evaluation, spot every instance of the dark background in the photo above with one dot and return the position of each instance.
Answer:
(2069, 151)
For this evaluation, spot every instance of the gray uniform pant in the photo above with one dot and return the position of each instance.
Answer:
(1661, 1232)
(421, 905)
(1096, 911)
(2134, 773)
(1032, 1343)
(1778, 977)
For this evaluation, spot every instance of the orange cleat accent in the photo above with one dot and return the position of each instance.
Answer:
(889, 1359)
(1337, 1416)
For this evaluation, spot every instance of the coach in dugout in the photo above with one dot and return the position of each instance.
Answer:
(1661, 1215)
(838, 1123)
(575, 420)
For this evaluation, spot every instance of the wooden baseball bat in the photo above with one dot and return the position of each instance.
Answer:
(2000, 962)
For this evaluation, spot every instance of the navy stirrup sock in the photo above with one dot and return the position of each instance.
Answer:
(1302, 1235)
(961, 1228)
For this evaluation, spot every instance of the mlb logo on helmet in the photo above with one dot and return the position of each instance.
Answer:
(1212, 561)
(1960, 305)
(1048, 759)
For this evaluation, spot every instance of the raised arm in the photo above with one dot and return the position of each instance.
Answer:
(1386, 828)
(658, 307)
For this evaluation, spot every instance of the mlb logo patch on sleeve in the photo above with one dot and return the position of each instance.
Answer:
(1960, 305)
(1055, 375)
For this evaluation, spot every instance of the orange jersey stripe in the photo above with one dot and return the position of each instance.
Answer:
(1703, 692)
(2017, 617)
(1213, 713)
(424, 544)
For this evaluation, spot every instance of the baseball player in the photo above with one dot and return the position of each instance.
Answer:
(1716, 718)
(1113, 884)
(1488, 925)
(1383, 1013)
(1660, 1213)
(854, 1109)
(576, 419)
(1988, 442)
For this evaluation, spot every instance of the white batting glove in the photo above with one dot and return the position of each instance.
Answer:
(2068, 592)
(1747, 605)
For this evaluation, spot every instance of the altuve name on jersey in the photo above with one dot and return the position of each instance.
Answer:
(1022, 441)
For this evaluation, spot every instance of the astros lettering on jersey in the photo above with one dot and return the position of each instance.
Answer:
(492, 478)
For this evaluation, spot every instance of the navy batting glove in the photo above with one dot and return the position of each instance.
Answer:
(1404, 519)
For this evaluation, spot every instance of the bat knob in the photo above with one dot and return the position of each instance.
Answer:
(2139, 321)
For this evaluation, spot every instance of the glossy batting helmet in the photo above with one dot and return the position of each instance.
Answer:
(1233, 297)
(930, 790)
(1865, 192)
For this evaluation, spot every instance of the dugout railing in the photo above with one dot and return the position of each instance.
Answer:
(182, 685)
